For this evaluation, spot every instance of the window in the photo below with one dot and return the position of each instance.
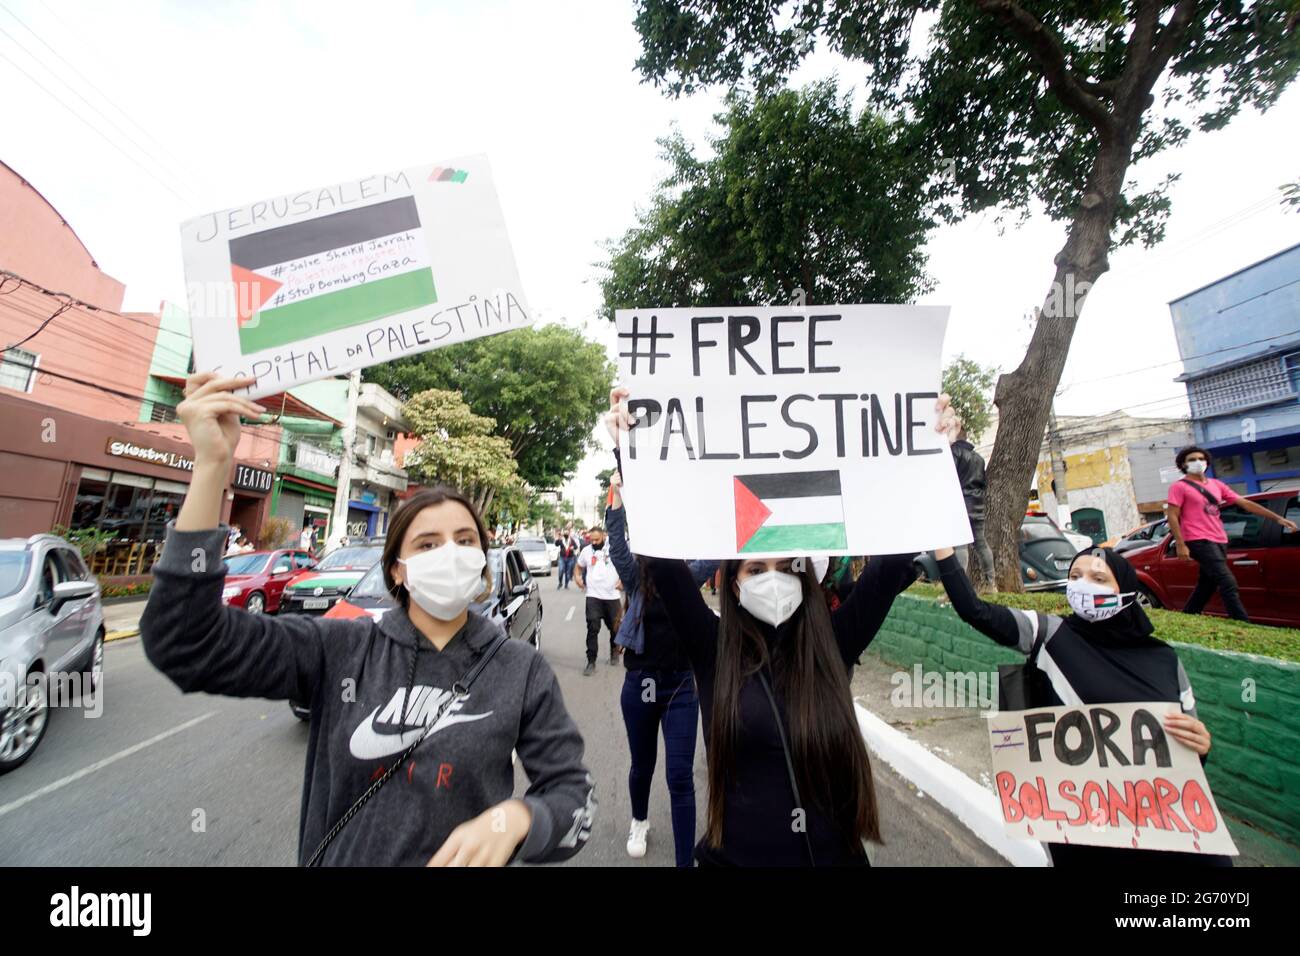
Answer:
(74, 569)
(90, 498)
(163, 507)
(50, 576)
(1277, 459)
(1291, 538)
(302, 559)
(13, 571)
(18, 369)
(282, 564)
(1243, 528)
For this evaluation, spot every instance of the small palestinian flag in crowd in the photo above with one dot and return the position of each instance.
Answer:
(789, 512)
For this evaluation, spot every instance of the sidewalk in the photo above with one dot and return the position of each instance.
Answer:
(944, 752)
(122, 618)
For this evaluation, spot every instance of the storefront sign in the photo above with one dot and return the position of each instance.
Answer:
(154, 456)
(314, 459)
(251, 479)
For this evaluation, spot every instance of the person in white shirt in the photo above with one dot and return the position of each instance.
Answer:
(308, 538)
(597, 575)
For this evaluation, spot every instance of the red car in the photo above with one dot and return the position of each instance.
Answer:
(255, 581)
(1263, 556)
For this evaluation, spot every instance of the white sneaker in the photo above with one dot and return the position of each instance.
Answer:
(636, 838)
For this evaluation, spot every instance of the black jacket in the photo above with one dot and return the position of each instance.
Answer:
(970, 472)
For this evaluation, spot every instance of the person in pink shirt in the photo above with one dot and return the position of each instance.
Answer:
(1194, 503)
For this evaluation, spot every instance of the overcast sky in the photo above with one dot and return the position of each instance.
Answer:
(227, 102)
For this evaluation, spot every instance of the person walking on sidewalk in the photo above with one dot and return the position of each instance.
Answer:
(790, 782)
(970, 472)
(595, 573)
(1194, 503)
(658, 691)
(1103, 653)
(431, 666)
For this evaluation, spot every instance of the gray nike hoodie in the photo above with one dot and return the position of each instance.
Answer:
(367, 706)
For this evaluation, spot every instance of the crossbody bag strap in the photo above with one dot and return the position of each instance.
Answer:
(459, 691)
(789, 764)
(1204, 494)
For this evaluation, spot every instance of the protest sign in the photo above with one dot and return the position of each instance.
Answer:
(323, 281)
(786, 431)
(1103, 775)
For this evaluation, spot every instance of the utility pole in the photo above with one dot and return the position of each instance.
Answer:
(339, 523)
(1057, 449)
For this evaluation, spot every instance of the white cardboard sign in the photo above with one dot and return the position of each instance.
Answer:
(783, 431)
(1103, 775)
(322, 281)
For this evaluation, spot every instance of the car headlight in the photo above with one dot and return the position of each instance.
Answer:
(1031, 574)
(228, 593)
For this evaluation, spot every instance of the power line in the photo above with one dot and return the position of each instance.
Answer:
(96, 129)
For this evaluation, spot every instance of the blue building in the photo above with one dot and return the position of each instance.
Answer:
(1239, 338)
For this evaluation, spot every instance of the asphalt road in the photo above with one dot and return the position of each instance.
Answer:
(163, 778)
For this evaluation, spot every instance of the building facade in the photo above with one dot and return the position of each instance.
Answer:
(1239, 338)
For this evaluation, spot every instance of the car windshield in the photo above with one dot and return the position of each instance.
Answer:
(531, 544)
(371, 584)
(246, 563)
(350, 558)
(13, 571)
(1036, 530)
(494, 563)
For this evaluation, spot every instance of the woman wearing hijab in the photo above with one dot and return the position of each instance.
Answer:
(1103, 653)
(375, 793)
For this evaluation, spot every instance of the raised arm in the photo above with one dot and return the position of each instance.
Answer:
(1008, 626)
(858, 619)
(616, 530)
(692, 618)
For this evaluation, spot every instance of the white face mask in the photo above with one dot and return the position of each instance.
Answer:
(772, 596)
(1093, 602)
(444, 580)
(1196, 467)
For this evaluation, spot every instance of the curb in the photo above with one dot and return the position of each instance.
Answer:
(975, 807)
(121, 635)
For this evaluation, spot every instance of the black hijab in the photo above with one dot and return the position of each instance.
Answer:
(1131, 625)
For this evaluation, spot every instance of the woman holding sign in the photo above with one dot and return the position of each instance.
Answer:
(1103, 653)
(379, 688)
(790, 783)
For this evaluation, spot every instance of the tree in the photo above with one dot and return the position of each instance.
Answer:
(800, 194)
(543, 389)
(458, 448)
(1019, 105)
(970, 386)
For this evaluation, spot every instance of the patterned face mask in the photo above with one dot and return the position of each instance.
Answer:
(1095, 602)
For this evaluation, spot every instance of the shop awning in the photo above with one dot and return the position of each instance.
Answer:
(281, 403)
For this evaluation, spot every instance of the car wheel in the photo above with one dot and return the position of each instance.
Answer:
(1146, 599)
(256, 603)
(536, 639)
(24, 723)
(93, 672)
(299, 711)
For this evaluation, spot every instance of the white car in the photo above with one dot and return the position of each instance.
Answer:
(536, 554)
(553, 552)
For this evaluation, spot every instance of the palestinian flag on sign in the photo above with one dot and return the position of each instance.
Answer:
(328, 273)
(789, 512)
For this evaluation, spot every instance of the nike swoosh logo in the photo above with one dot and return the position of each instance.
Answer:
(366, 744)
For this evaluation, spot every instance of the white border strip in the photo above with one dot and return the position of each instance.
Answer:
(976, 807)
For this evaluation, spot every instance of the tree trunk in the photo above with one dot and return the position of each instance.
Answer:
(1024, 396)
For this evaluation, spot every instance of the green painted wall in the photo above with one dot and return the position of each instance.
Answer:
(1251, 704)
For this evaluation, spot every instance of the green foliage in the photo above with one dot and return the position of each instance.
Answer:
(799, 194)
(970, 386)
(1014, 100)
(457, 448)
(541, 388)
(602, 478)
(1219, 633)
(86, 540)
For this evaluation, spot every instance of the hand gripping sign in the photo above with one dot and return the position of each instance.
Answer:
(323, 281)
(784, 431)
(1103, 775)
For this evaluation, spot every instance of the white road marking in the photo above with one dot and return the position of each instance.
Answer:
(569, 616)
(101, 764)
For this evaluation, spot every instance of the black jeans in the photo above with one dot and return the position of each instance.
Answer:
(600, 610)
(1215, 576)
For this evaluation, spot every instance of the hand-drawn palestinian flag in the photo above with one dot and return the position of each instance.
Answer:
(328, 273)
(789, 512)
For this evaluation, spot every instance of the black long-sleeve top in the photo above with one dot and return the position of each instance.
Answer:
(759, 803)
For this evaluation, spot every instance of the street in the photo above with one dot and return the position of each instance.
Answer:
(166, 779)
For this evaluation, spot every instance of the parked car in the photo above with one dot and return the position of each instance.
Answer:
(255, 581)
(1081, 542)
(536, 554)
(51, 623)
(1140, 537)
(1264, 558)
(553, 551)
(315, 591)
(514, 604)
(1045, 556)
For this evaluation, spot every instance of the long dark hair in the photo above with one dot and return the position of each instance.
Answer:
(401, 523)
(829, 755)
